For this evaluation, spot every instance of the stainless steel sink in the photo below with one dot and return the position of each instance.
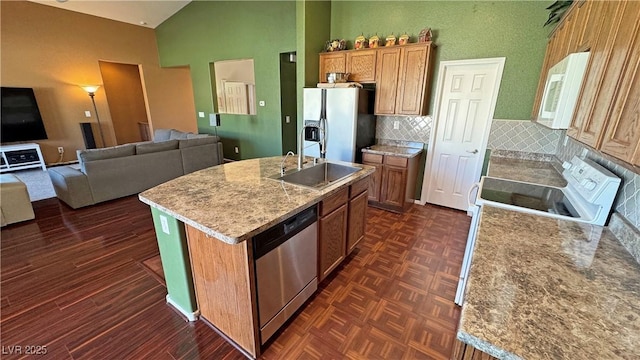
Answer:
(319, 176)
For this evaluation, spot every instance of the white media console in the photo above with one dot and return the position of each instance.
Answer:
(21, 156)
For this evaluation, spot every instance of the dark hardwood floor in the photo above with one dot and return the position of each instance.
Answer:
(87, 284)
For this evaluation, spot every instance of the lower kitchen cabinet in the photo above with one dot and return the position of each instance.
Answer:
(341, 226)
(332, 240)
(356, 220)
(462, 351)
(393, 185)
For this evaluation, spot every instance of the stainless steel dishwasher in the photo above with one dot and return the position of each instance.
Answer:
(286, 258)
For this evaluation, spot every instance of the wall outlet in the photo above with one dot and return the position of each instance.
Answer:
(87, 114)
(164, 224)
(287, 119)
(201, 114)
(396, 125)
(261, 103)
(237, 150)
(60, 150)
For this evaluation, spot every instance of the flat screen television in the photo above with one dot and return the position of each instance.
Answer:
(21, 120)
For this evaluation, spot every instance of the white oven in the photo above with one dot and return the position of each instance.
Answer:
(561, 90)
(587, 198)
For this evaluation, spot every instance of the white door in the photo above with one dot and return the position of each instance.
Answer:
(465, 102)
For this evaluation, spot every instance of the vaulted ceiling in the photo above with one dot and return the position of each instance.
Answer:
(147, 13)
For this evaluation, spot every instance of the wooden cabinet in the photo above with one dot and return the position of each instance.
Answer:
(331, 62)
(357, 214)
(402, 75)
(332, 240)
(462, 351)
(601, 75)
(361, 65)
(622, 133)
(341, 225)
(394, 186)
(606, 116)
(387, 64)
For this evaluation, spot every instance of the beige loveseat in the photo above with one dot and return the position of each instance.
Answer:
(123, 170)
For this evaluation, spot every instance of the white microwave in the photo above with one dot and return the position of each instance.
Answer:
(561, 91)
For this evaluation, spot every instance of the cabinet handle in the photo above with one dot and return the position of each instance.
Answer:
(473, 152)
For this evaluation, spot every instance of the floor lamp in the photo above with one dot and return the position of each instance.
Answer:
(91, 90)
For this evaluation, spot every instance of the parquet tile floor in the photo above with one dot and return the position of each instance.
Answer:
(86, 284)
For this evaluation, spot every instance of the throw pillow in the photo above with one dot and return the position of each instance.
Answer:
(161, 134)
(177, 135)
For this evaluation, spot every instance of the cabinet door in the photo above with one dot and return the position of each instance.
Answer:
(588, 24)
(361, 65)
(375, 180)
(583, 124)
(387, 63)
(411, 83)
(394, 183)
(332, 242)
(357, 220)
(331, 62)
(622, 133)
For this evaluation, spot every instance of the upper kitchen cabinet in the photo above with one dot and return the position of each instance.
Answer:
(387, 80)
(402, 74)
(414, 80)
(332, 62)
(402, 77)
(361, 65)
(603, 72)
(622, 133)
(607, 115)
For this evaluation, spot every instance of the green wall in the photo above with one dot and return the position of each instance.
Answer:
(462, 30)
(207, 31)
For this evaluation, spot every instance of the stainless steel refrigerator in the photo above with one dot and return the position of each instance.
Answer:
(350, 124)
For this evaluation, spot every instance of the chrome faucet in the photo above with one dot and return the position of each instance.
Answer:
(323, 145)
(282, 168)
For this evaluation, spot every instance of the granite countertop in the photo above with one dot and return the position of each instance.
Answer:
(543, 288)
(393, 150)
(235, 201)
(533, 171)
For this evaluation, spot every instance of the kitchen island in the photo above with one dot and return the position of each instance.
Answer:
(543, 288)
(224, 207)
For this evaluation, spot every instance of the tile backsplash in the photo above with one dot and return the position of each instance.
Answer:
(627, 202)
(523, 135)
(527, 136)
(410, 128)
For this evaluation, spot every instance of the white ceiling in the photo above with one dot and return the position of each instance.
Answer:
(147, 13)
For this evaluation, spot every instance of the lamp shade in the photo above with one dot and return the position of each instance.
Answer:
(90, 88)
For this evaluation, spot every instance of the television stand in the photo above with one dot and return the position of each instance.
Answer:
(21, 156)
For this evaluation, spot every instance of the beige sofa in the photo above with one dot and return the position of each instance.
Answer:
(15, 205)
(123, 170)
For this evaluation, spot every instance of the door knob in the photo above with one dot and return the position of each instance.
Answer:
(473, 152)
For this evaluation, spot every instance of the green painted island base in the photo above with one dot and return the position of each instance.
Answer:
(172, 242)
(190, 315)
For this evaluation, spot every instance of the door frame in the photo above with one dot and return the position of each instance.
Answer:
(499, 62)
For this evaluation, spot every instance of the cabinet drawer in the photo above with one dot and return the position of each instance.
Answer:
(372, 158)
(395, 161)
(358, 187)
(334, 201)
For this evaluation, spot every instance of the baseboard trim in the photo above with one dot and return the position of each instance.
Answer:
(191, 316)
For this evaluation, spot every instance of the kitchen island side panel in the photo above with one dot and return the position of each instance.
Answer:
(172, 243)
(224, 279)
